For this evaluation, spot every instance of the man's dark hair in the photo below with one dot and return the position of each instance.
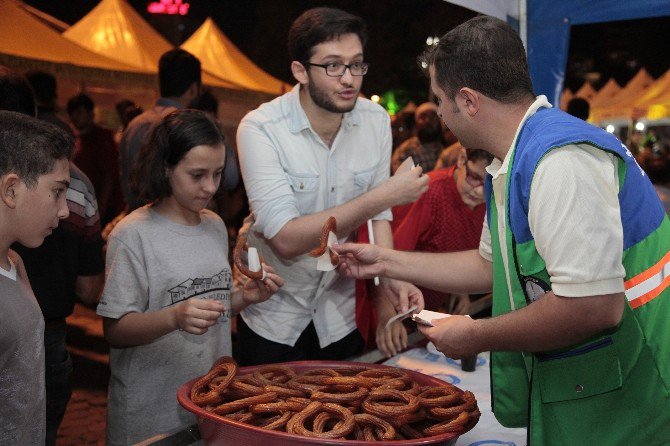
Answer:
(44, 85)
(484, 54)
(170, 141)
(319, 25)
(177, 70)
(29, 147)
(579, 108)
(79, 101)
(15, 92)
(206, 102)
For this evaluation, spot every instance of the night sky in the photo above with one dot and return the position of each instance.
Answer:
(398, 30)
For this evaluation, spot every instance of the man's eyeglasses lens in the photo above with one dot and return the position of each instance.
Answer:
(473, 179)
(336, 69)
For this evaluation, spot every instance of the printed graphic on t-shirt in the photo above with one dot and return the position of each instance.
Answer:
(217, 287)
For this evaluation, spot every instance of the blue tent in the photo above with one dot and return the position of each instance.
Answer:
(545, 27)
(548, 33)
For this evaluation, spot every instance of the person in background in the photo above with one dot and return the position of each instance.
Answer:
(33, 180)
(574, 247)
(96, 154)
(402, 125)
(317, 151)
(126, 111)
(68, 265)
(45, 87)
(426, 144)
(447, 218)
(179, 80)
(168, 296)
(579, 108)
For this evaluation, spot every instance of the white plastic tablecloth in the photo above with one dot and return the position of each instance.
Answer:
(488, 431)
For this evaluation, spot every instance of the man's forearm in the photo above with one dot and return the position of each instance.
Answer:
(302, 234)
(451, 272)
(549, 323)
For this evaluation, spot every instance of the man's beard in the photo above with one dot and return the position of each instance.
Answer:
(321, 98)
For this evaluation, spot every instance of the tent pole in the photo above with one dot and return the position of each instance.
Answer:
(523, 23)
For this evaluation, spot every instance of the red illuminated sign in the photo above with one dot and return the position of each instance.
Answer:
(172, 7)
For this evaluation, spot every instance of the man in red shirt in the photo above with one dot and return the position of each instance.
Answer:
(448, 217)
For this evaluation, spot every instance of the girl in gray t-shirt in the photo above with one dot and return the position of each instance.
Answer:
(169, 295)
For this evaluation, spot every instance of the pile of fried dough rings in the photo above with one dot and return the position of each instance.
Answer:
(356, 403)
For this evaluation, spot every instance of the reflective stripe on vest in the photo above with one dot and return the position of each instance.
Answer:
(648, 284)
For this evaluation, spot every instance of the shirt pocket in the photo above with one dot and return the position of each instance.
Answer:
(306, 190)
(362, 180)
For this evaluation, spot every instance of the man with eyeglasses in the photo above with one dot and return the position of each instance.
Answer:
(315, 152)
(575, 246)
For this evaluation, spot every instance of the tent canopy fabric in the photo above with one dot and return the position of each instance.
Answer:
(222, 58)
(620, 105)
(23, 35)
(606, 93)
(114, 29)
(549, 27)
(586, 92)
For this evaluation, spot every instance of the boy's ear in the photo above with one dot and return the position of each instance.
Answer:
(8, 187)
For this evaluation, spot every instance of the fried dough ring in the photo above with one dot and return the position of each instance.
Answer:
(341, 429)
(207, 390)
(453, 425)
(383, 429)
(244, 403)
(383, 403)
(240, 245)
(329, 226)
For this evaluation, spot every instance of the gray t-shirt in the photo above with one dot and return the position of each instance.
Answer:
(152, 263)
(22, 398)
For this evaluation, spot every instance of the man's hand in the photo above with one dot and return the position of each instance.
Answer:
(402, 295)
(406, 187)
(360, 261)
(256, 291)
(391, 339)
(452, 336)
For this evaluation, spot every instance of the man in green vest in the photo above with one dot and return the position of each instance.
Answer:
(575, 246)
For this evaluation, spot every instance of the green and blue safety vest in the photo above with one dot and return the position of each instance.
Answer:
(615, 387)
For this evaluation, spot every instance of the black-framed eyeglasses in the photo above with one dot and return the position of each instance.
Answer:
(337, 69)
(472, 178)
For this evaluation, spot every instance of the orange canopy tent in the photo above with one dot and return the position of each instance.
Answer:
(114, 29)
(606, 93)
(620, 105)
(222, 58)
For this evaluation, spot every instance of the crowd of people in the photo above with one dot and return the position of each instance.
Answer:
(505, 194)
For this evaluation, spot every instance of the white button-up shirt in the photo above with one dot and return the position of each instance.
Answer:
(289, 171)
(573, 215)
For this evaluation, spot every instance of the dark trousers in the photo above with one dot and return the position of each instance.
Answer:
(58, 378)
(255, 349)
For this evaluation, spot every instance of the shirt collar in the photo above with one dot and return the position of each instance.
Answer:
(298, 121)
(498, 167)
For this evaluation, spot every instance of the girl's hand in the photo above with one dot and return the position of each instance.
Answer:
(196, 315)
(256, 291)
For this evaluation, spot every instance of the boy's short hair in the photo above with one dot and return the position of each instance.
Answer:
(15, 92)
(29, 147)
(177, 70)
(44, 85)
(80, 101)
(319, 25)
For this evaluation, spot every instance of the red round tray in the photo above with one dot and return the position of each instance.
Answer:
(219, 431)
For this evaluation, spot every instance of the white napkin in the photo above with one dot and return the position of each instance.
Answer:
(401, 315)
(323, 262)
(406, 165)
(425, 317)
(254, 261)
